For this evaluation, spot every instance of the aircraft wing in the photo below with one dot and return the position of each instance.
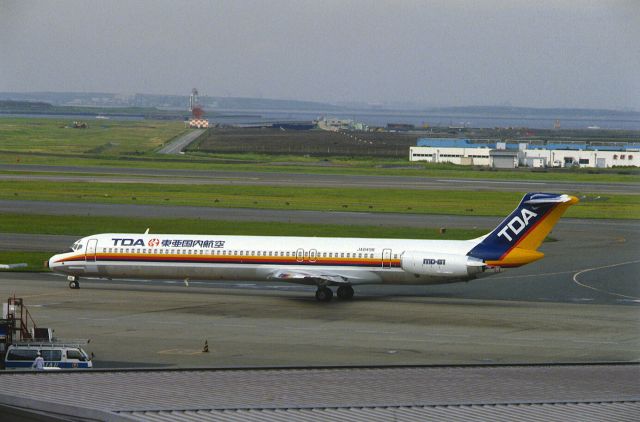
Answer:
(313, 277)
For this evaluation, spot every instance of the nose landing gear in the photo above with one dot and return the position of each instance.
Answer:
(74, 282)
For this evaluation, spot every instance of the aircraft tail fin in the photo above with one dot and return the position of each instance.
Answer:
(515, 241)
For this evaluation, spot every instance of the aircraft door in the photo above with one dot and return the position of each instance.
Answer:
(300, 255)
(312, 255)
(386, 258)
(90, 251)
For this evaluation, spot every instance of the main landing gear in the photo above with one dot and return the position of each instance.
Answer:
(74, 282)
(345, 292)
(325, 294)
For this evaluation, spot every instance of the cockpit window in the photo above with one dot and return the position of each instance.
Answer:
(75, 247)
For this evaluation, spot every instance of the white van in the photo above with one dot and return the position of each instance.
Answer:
(56, 356)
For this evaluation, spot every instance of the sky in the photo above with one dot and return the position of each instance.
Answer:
(561, 53)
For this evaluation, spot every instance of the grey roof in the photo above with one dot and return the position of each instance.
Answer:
(528, 393)
(596, 412)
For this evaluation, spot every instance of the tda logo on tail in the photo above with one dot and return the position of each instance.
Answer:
(517, 224)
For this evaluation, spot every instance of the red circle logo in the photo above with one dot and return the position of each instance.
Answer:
(153, 242)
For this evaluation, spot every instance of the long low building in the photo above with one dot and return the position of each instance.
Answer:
(503, 155)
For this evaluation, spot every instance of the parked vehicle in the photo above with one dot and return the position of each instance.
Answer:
(56, 356)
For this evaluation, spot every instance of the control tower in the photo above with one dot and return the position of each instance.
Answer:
(197, 112)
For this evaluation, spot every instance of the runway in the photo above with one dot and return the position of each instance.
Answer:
(177, 176)
(176, 146)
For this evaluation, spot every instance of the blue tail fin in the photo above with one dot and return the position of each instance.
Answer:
(515, 241)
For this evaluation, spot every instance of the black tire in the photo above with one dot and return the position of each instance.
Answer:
(345, 292)
(74, 284)
(324, 294)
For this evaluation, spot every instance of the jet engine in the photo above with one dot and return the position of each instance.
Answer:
(441, 264)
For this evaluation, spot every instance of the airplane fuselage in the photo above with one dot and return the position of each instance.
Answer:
(361, 260)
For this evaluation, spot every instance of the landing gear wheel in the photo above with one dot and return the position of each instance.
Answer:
(345, 292)
(324, 294)
(74, 283)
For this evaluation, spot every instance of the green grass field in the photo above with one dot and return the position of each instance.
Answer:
(116, 143)
(103, 137)
(34, 260)
(87, 225)
(472, 203)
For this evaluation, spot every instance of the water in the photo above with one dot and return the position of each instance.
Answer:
(87, 117)
(441, 120)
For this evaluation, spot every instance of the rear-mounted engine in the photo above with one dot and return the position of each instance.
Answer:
(440, 264)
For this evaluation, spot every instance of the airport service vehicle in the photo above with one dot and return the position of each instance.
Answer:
(324, 262)
(56, 356)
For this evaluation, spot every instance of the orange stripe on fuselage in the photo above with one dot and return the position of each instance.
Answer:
(370, 262)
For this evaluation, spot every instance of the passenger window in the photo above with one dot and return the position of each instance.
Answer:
(52, 355)
(359, 255)
(348, 255)
(22, 354)
(127, 250)
(342, 255)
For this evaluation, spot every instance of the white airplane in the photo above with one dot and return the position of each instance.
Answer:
(324, 262)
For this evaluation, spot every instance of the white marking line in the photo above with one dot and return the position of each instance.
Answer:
(575, 279)
(536, 275)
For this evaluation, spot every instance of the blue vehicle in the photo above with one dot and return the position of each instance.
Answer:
(55, 355)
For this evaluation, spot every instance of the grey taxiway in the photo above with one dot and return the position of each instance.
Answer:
(183, 176)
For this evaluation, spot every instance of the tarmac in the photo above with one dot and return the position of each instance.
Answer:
(286, 178)
(176, 146)
(166, 324)
(579, 304)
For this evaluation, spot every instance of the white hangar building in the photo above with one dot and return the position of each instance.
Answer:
(511, 155)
